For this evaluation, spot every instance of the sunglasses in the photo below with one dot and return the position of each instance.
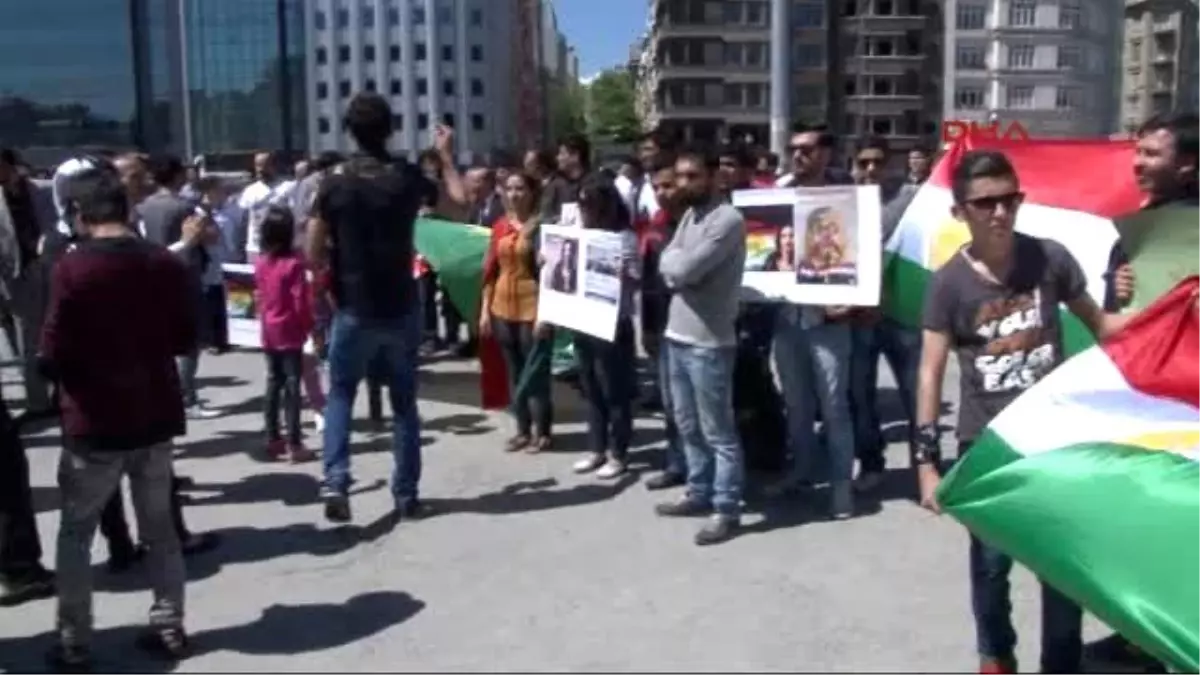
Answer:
(989, 203)
(806, 149)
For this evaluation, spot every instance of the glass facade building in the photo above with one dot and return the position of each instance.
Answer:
(245, 75)
(182, 76)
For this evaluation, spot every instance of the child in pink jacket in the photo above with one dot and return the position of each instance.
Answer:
(284, 305)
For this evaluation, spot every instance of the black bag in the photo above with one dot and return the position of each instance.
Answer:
(757, 404)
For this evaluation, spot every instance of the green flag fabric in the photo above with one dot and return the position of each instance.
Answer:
(1163, 246)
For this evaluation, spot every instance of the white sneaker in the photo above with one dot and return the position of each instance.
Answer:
(868, 482)
(318, 422)
(589, 464)
(199, 412)
(611, 469)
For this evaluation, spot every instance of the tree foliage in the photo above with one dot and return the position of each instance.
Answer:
(612, 107)
(566, 109)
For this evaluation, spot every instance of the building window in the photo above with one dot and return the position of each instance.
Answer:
(343, 18)
(1020, 56)
(1022, 12)
(882, 8)
(397, 88)
(322, 125)
(883, 126)
(448, 87)
(809, 56)
(970, 57)
(476, 87)
(1070, 14)
(968, 98)
(369, 53)
(733, 11)
(322, 56)
(371, 86)
(445, 16)
(1069, 57)
(368, 17)
(756, 13)
(732, 95)
(394, 53)
(447, 52)
(809, 15)
(970, 16)
(344, 54)
(810, 94)
(393, 16)
(422, 121)
(756, 54)
(420, 51)
(344, 89)
(319, 20)
(476, 53)
(476, 17)
(1068, 98)
(1019, 96)
(477, 122)
(418, 19)
(1135, 50)
(322, 91)
(448, 119)
(755, 98)
(397, 122)
(422, 88)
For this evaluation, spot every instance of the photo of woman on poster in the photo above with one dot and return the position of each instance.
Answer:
(564, 276)
(827, 254)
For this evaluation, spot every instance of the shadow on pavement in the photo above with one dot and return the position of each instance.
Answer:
(280, 630)
(528, 496)
(290, 489)
(463, 424)
(203, 383)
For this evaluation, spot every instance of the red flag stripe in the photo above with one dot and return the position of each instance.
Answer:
(1159, 351)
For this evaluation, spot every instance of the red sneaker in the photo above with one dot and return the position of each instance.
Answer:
(276, 449)
(997, 667)
(298, 454)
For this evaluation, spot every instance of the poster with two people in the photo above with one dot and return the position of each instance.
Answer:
(812, 246)
(582, 277)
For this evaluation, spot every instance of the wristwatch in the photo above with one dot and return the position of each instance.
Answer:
(927, 444)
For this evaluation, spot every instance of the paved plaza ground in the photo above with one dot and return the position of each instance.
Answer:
(525, 567)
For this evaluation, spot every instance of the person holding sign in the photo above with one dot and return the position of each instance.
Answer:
(606, 369)
(508, 309)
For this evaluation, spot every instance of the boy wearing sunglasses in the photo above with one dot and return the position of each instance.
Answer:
(995, 303)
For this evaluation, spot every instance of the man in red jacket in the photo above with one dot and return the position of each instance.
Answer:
(121, 402)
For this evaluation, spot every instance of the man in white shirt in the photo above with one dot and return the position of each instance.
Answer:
(639, 195)
(269, 189)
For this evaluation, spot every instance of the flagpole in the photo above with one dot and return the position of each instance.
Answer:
(781, 89)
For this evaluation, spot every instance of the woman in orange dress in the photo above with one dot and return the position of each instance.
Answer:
(508, 310)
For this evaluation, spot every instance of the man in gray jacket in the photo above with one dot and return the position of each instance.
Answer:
(702, 267)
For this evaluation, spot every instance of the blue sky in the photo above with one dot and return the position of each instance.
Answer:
(601, 30)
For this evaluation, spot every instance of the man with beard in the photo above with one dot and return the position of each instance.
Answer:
(639, 193)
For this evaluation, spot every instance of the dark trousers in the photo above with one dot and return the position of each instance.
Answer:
(530, 407)
(115, 528)
(283, 390)
(673, 461)
(429, 317)
(901, 346)
(20, 548)
(606, 373)
(216, 317)
(1062, 619)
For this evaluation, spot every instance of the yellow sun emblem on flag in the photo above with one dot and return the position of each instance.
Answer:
(1175, 441)
(947, 239)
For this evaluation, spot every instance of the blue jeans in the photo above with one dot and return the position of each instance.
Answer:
(701, 381)
(674, 461)
(901, 346)
(1062, 619)
(813, 364)
(353, 344)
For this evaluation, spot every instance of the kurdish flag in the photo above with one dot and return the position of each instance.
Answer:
(1074, 192)
(1091, 480)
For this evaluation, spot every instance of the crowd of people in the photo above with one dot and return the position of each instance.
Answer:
(335, 268)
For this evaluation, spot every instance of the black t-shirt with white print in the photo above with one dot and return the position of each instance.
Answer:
(1007, 336)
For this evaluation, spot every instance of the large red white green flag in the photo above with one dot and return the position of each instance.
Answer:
(1074, 191)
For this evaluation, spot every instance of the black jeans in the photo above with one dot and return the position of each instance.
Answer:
(532, 407)
(20, 548)
(607, 375)
(1062, 619)
(115, 528)
(216, 320)
(283, 390)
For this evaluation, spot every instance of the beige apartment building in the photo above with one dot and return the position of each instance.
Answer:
(1159, 70)
(861, 66)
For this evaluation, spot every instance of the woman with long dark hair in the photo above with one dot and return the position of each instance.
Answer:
(606, 369)
(508, 310)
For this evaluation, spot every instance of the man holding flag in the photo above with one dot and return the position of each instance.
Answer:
(995, 302)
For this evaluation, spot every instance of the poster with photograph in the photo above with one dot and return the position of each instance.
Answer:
(813, 246)
(569, 216)
(241, 313)
(581, 280)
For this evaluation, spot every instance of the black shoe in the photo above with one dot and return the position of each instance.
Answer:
(33, 585)
(1117, 652)
(122, 558)
(665, 480)
(165, 644)
(683, 508)
(195, 544)
(719, 530)
(61, 659)
(337, 507)
(412, 509)
(652, 403)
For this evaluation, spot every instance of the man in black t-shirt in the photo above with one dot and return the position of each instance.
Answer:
(995, 303)
(362, 229)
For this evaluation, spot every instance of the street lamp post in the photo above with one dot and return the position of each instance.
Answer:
(781, 80)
